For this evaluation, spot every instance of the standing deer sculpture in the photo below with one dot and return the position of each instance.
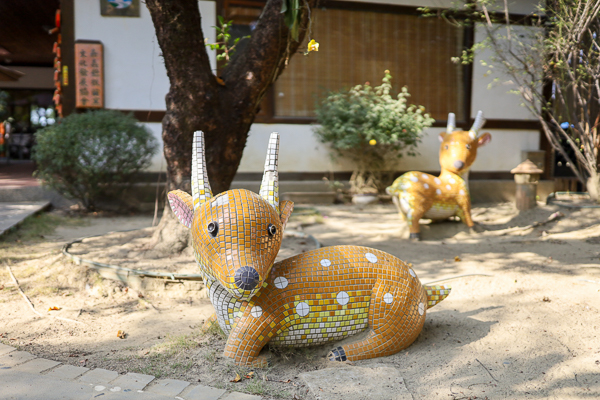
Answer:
(314, 297)
(419, 195)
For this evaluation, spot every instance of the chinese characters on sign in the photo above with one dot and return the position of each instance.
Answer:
(89, 75)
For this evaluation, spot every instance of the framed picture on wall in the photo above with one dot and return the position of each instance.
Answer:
(120, 8)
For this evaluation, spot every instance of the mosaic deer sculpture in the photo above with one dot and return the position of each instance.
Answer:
(419, 195)
(314, 297)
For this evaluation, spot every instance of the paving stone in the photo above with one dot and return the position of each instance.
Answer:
(133, 381)
(5, 349)
(168, 387)
(16, 385)
(204, 393)
(15, 358)
(378, 382)
(99, 375)
(36, 366)
(67, 372)
(240, 396)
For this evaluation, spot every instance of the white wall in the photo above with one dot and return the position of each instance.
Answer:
(134, 71)
(492, 96)
(135, 75)
(300, 151)
(135, 79)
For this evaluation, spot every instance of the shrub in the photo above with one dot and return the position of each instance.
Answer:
(372, 128)
(93, 155)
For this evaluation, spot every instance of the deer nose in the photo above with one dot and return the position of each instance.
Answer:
(246, 278)
(458, 164)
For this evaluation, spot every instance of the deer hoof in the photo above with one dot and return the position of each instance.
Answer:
(337, 354)
(475, 229)
(415, 237)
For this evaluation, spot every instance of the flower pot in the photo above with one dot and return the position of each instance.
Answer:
(362, 199)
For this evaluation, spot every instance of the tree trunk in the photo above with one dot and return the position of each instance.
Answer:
(196, 101)
(593, 187)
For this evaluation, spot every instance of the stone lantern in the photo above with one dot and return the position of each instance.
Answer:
(527, 176)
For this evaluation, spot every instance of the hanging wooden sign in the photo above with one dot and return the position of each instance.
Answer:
(89, 75)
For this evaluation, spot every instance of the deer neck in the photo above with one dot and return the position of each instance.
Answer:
(464, 176)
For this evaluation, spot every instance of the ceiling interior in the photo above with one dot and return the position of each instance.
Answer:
(24, 37)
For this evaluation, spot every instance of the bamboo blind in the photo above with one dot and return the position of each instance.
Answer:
(356, 47)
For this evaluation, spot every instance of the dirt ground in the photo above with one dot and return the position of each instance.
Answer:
(525, 325)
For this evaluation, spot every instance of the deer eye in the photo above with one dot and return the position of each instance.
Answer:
(468, 147)
(213, 229)
(446, 147)
(271, 229)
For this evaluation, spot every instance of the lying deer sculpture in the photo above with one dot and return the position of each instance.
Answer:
(314, 297)
(418, 195)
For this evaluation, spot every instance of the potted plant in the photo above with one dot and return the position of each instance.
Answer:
(372, 128)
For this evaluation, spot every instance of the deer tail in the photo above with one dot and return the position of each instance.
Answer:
(436, 293)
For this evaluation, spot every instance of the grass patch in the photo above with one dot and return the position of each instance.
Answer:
(214, 331)
(36, 227)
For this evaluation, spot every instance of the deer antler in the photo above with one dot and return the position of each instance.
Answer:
(477, 125)
(269, 188)
(451, 123)
(200, 186)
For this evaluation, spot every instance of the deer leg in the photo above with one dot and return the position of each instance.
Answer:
(412, 209)
(395, 320)
(464, 213)
(250, 334)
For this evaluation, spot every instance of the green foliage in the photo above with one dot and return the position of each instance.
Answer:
(224, 49)
(291, 16)
(372, 128)
(92, 155)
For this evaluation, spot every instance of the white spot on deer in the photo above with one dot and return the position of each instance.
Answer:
(256, 311)
(412, 273)
(424, 176)
(325, 262)
(421, 308)
(452, 180)
(414, 178)
(437, 181)
(342, 298)
(438, 192)
(405, 186)
(302, 309)
(426, 186)
(461, 192)
(448, 187)
(221, 201)
(280, 282)
(388, 298)
(371, 257)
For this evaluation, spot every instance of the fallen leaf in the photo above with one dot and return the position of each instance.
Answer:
(547, 299)
(121, 334)
(250, 375)
(457, 259)
(237, 378)
(54, 308)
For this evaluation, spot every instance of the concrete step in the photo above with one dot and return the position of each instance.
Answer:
(12, 214)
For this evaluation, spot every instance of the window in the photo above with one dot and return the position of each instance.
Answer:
(357, 44)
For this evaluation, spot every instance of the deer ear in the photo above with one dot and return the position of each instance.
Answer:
(286, 208)
(484, 139)
(182, 205)
(442, 136)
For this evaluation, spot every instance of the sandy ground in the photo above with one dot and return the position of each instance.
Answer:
(528, 329)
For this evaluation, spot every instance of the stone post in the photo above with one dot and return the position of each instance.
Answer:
(527, 176)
